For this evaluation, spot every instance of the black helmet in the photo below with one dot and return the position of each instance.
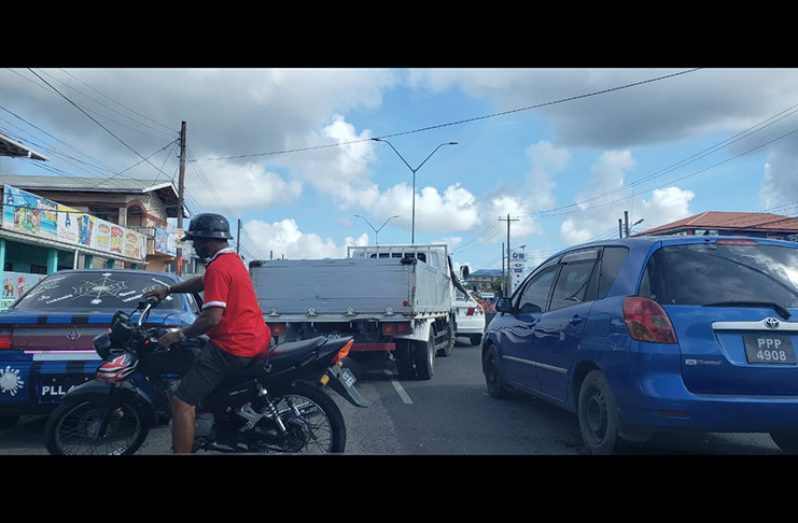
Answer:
(208, 225)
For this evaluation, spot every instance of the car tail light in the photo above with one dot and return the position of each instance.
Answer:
(647, 321)
(470, 311)
(6, 340)
(392, 329)
(277, 329)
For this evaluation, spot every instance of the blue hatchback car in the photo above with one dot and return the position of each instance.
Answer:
(647, 334)
(46, 337)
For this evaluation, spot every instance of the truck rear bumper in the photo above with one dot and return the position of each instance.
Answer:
(362, 347)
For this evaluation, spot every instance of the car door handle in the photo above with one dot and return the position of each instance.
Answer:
(576, 320)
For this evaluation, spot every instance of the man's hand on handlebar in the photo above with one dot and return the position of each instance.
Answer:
(170, 338)
(159, 292)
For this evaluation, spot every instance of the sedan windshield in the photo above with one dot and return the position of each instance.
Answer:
(93, 291)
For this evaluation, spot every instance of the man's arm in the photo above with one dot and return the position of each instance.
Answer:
(189, 286)
(207, 319)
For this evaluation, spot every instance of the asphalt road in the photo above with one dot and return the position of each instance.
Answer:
(452, 414)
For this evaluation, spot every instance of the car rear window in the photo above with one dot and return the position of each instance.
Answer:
(94, 291)
(700, 274)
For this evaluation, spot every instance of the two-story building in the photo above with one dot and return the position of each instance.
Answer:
(51, 223)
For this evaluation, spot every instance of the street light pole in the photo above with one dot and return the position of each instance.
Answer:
(413, 219)
(377, 231)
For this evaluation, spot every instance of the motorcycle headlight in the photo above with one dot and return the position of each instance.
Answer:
(102, 344)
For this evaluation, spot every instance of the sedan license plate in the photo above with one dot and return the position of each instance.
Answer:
(769, 349)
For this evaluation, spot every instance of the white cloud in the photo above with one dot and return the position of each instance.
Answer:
(284, 238)
(240, 187)
(779, 188)
(598, 216)
(659, 112)
(547, 161)
(453, 210)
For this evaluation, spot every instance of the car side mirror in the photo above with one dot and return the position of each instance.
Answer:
(504, 305)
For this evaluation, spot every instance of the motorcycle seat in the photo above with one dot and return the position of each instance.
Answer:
(286, 355)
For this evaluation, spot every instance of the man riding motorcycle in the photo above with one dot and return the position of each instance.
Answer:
(231, 317)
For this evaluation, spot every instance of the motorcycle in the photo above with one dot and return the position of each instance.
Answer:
(278, 404)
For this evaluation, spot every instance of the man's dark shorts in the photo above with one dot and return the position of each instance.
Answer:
(207, 371)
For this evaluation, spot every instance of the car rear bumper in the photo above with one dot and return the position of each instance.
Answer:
(665, 403)
(470, 326)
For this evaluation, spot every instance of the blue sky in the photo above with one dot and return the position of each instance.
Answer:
(302, 204)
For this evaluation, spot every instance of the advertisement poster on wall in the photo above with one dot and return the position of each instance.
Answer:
(86, 224)
(166, 241)
(117, 239)
(28, 213)
(15, 284)
(68, 226)
(135, 247)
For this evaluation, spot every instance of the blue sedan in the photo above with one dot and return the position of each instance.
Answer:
(46, 337)
(650, 334)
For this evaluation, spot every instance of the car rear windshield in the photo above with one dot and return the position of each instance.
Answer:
(94, 291)
(702, 274)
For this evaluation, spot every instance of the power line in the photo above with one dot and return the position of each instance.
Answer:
(161, 137)
(701, 154)
(116, 101)
(93, 119)
(460, 122)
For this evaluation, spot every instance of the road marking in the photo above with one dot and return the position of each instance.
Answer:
(400, 390)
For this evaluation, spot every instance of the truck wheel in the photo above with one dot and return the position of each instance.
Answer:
(449, 342)
(404, 365)
(424, 357)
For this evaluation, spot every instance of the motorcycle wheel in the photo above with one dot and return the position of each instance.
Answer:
(73, 428)
(314, 422)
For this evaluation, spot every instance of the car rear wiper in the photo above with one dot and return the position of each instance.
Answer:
(784, 313)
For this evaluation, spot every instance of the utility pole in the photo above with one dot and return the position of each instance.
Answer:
(503, 276)
(626, 223)
(180, 182)
(509, 273)
(620, 228)
(238, 237)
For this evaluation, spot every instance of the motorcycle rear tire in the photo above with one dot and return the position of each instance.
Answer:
(327, 406)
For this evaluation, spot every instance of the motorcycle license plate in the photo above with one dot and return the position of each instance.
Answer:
(343, 375)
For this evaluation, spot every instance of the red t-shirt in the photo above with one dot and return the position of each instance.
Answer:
(242, 331)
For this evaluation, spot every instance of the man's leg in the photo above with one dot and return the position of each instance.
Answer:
(183, 419)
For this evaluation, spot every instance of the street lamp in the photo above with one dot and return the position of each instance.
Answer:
(413, 220)
(638, 222)
(377, 231)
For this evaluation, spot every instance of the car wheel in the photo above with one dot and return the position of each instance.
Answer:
(598, 415)
(493, 374)
(8, 421)
(787, 441)
(476, 339)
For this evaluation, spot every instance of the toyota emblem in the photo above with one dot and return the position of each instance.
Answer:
(771, 323)
(73, 335)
